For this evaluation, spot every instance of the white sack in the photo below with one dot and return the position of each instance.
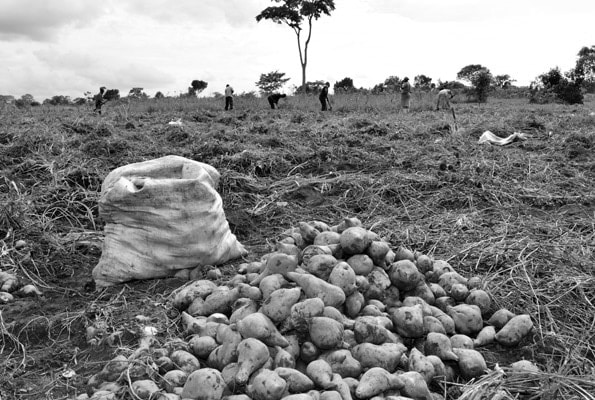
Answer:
(489, 137)
(162, 216)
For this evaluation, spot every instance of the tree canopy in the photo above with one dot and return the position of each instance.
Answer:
(422, 81)
(271, 82)
(466, 73)
(345, 85)
(197, 86)
(293, 13)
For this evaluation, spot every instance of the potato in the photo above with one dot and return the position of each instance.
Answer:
(423, 263)
(326, 333)
(459, 292)
(515, 330)
(270, 283)
(241, 308)
(437, 290)
(354, 304)
(439, 345)
(467, 318)
(355, 240)
(461, 341)
(347, 223)
(443, 303)
(377, 251)
(343, 276)
(303, 311)
(315, 250)
(486, 336)
(403, 253)
(277, 306)
(414, 300)
(309, 352)
(204, 384)
(500, 318)
(433, 324)
(379, 281)
(202, 346)
(367, 329)
(185, 361)
(174, 378)
(471, 363)
(342, 363)
(405, 275)
(252, 355)
(326, 238)
(283, 358)
(414, 385)
(320, 265)
(448, 279)
(266, 385)
(321, 374)
(419, 362)
(312, 286)
(308, 232)
(439, 267)
(386, 355)
(183, 296)
(481, 299)
(375, 381)
(423, 291)
(297, 382)
(144, 389)
(260, 327)
(408, 321)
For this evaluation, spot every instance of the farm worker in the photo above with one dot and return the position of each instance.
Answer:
(274, 99)
(444, 97)
(405, 94)
(228, 97)
(99, 100)
(323, 97)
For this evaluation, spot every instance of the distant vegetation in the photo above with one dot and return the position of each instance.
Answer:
(553, 86)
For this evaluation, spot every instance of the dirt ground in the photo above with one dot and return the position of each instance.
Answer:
(521, 217)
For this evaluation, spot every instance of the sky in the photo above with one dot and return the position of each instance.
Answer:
(69, 47)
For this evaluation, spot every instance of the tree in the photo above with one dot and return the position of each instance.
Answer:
(450, 85)
(111, 94)
(422, 82)
(58, 100)
(137, 94)
(503, 81)
(196, 86)
(482, 81)
(584, 71)
(467, 72)
(292, 13)
(271, 82)
(159, 95)
(345, 85)
(392, 83)
(563, 87)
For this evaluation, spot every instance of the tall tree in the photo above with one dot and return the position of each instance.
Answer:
(422, 82)
(467, 72)
(503, 80)
(293, 13)
(197, 86)
(584, 71)
(272, 81)
(345, 85)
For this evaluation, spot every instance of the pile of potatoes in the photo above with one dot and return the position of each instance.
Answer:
(334, 313)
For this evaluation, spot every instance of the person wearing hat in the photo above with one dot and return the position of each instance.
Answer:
(405, 94)
(323, 97)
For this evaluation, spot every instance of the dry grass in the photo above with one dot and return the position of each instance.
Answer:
(521, 217)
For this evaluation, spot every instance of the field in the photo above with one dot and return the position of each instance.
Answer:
(521, 217)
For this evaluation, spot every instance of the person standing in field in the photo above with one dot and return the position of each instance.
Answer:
(274, 99)
(443, 100)
(323, 97)
(405, 94)
(228, 97)
(99, 100)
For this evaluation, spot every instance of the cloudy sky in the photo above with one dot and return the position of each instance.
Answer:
(68, 47)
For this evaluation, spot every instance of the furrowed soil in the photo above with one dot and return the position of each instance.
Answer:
(521, 217)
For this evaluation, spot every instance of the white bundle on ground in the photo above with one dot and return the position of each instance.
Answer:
(162, 216)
